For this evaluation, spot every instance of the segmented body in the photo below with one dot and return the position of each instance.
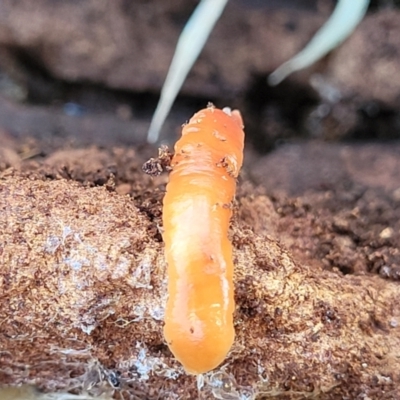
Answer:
(196, 215)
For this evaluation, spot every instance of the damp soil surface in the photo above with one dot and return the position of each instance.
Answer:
(316, 222)
(335, 204)
(316, 239)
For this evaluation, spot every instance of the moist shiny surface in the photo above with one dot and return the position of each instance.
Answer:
(196, 214)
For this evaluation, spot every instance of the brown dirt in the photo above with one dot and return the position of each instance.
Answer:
(83, 281)
(347, 209)
(315, 228)
(115, 55)
(129, 46)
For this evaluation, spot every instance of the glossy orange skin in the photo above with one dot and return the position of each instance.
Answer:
(197, 210)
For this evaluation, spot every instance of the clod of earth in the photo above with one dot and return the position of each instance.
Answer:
(83, 290)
